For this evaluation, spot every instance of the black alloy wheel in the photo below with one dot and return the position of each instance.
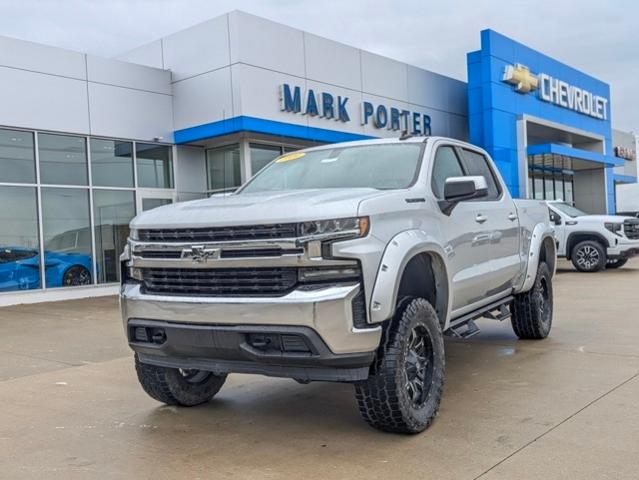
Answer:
(76, 275)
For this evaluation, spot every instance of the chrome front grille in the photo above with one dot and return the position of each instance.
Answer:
(631, 229)
(220, 234)
(227, 282)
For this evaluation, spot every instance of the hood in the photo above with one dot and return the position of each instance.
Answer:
(603, 218)
(257, 208)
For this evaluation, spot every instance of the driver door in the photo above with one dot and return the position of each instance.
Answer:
(466, 240)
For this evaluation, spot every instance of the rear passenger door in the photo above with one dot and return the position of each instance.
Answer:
(499, 226)
(460, 232)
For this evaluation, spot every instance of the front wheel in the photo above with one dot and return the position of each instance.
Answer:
(588, 256)
(404, 387)
(532, 310)
(175, 386)
(616, 263)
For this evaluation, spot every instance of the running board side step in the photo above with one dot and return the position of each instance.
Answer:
(465, 326)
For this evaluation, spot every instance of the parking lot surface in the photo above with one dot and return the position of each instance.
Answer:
(565, 407)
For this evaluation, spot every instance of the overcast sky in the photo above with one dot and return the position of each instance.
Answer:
(600, 38)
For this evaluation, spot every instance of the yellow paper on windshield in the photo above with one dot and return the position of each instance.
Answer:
(289, 157)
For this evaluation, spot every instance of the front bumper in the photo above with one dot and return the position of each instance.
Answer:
(212, 333)
(623, 249)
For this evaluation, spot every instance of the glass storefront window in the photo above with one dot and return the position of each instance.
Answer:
(262, 155)
(151, 203)
(63, 159)
(539, 188)
(568, 189)
(17, 157)
(112, 212)
(19, 251)
(550, 189)
(155, 165)
(111, 163)
(67, 237)
(223, 168)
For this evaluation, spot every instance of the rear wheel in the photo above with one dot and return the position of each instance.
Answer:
(616, 263)
(404, 388)
(532, 310)
(175, 386)
(76, 275)
(588, 256)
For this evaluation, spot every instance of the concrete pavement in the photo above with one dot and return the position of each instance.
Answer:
(565, 407)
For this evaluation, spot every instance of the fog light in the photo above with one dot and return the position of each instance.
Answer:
(140, 335)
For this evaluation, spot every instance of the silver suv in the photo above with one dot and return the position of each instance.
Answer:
(347, 263)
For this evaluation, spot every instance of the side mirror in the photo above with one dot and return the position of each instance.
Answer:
(461, 189)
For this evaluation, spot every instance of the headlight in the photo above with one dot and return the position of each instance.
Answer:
(615, 228)
(134, 234)
(342, 227)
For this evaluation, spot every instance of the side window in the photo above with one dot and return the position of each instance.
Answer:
(446, 165)
(477, 164)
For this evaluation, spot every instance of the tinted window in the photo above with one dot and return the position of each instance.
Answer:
(155, 165)
(111, 162)
(262, 155)
(446, 165)
(19, 260)
(477, 164)
(63, 159)
(223, 168)
(67, 236)
(17, 158)
(112, 212)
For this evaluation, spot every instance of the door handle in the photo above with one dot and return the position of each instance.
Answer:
(512, 217)
(480, 218)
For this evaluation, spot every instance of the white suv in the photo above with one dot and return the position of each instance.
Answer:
(593, 242)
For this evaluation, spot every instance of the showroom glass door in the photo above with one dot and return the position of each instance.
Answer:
(147, 200)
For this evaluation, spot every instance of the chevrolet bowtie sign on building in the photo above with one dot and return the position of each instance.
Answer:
(556, 91)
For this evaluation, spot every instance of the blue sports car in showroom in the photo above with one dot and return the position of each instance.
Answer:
(19, 269)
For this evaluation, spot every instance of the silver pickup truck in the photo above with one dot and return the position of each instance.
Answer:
(345, 262)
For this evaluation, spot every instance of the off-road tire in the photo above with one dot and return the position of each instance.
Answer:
(532, 311)
(616, 263)
(170, 386)
(384, 399)
(590, 249)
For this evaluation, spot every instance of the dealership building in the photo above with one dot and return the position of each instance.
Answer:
(87, 142)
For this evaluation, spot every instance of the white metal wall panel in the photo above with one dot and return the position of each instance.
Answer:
(126, 113)
(190, 172)
(353, 107)
(384, 77)
(259, 94)
(202, 99)
(123, 74)
(263, 43)
(332, 62)
(39, 101)
(41, 58)
(149, 54)
(198, 49)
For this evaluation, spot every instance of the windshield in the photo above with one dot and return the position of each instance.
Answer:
(568, 209)
(383, 166)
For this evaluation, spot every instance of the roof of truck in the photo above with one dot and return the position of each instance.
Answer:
(382, 141)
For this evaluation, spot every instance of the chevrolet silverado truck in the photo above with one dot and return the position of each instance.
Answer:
(346, 263)
(593, 242)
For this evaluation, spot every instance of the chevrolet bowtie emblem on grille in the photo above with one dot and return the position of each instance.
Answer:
(200, 254)
(519, 75)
